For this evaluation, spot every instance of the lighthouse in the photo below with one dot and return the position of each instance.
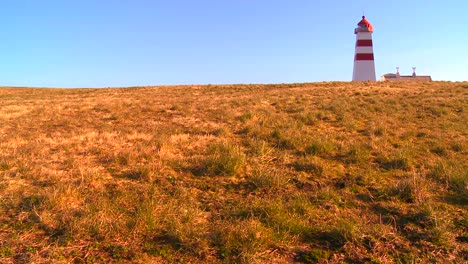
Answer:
(364, 68)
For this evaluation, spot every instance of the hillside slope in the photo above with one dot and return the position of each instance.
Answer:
(337, 172)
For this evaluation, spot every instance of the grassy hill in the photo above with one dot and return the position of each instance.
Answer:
(320, 172)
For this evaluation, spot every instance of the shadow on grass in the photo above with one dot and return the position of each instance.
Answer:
(415, 226)
(457, 198)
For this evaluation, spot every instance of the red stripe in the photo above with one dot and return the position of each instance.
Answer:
(364, 43)
(364, 56)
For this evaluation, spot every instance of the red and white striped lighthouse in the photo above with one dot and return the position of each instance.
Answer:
(364, 68)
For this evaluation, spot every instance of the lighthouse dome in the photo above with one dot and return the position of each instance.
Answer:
(365, 24)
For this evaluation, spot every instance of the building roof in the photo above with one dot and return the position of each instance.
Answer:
(366, 24)
(390, 75)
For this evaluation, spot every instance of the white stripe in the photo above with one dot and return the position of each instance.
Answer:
(364, 35)
(364, 50)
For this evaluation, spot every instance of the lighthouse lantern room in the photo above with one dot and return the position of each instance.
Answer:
(364, 68)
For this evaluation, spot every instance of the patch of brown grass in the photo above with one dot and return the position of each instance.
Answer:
(332, 172)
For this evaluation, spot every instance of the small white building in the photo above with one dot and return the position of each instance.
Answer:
(397, 77)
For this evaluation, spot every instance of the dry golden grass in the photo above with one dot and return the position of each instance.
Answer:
(320, 172)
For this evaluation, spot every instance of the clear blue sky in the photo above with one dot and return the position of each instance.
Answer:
(102, 43)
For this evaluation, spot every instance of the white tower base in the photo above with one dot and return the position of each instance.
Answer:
(364, 70)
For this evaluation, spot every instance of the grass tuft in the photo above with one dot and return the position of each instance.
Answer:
(223, 159)
(310, 165)
(320, 148)
(241, 241)
(266, 178)
(399, 161)
(412, 189)
(314, 255)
